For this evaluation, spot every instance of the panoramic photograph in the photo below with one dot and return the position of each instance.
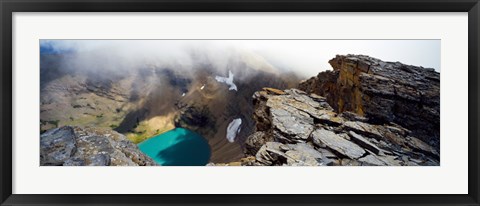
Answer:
(239, 102)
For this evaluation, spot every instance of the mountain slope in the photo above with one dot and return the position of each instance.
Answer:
(147, 101)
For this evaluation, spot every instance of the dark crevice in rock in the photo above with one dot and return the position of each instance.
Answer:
(364, 155)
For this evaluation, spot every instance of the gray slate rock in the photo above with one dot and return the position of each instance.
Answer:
(75, 146)
(300, 154)
(363, 142)
(57, 146)
(333, 141)
(372, 160)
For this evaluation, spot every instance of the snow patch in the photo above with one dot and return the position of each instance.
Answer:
(227, 80)
(183, 94)
(233, 129)
(201, 88)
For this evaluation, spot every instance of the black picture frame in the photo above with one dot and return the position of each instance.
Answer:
(7, 7)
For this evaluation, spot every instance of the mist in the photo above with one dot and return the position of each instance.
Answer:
(142, 88)
(305, 58)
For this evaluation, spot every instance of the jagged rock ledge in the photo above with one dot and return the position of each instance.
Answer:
(299, 129)
(76, 146)
(383, 92)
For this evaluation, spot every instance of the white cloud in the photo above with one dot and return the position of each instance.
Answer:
(306, 57)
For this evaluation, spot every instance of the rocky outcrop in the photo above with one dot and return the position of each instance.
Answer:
(383, 92)
(75, 146)
(299, 129)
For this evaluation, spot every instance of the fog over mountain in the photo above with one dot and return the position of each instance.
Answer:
(145, 88)
(306, 57)
(142, 88)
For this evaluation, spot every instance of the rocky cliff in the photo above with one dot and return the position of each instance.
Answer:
(383, 92)
(299, 129)
(75, 146)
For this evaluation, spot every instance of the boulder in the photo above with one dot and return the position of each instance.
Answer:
(57, 146)
(76, 146)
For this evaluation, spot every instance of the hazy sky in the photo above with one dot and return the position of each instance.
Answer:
(308, 57)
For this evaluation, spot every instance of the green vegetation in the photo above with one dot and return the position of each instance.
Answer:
(54, 122)
(141, 134)
(46, 125)
(137, 137)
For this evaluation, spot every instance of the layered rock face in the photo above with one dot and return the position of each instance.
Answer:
(383, 92)
(75, 146)
(299, 129)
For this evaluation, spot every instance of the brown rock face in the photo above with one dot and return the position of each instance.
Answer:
(299, 129)
(383, 92)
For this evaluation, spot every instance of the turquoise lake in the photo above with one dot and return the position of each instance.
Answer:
(177, 147)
